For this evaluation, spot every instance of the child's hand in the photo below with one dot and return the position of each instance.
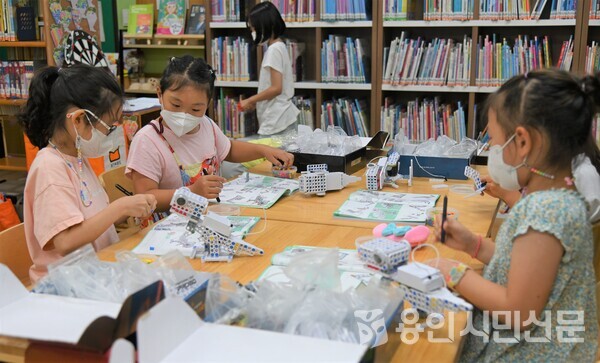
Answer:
(279, 157)
(208, 186)
(442, 264)
(139, 205)
(246, 105)
(491, 188)
(458, 236)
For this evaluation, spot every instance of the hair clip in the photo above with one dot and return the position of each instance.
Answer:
(173, 59)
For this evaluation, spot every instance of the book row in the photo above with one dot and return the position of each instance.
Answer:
(349, 114)
(440, 62)
(296, 10)
(497, 61)
(424, 119)
(343, 60)
(15, 77)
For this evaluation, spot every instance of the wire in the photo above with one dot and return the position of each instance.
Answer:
(434, 175)
(264, 226)
(437, 252)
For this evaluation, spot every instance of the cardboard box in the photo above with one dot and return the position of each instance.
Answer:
(425, 166)
(172, 332)
(77, 323)
(349, 163)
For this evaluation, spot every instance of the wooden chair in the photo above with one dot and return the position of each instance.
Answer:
(116, 177)
(14, 252)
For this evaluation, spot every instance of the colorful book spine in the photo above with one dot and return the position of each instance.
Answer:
(233, 122)
(344, 10)
(499, 61)
(440, 62)
(226, 10)
(424, 119)
(307, 110)
(343, 60)
(231, 58)
(349, 114)
(296, 10)
(15, 78)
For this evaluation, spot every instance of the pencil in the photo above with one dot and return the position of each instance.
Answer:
(123, 190)
(205, 172)
(444, 212)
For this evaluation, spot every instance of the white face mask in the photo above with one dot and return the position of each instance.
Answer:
(180, 122)
(98, 145)
(503, 174)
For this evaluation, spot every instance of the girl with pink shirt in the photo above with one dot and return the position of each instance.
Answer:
(184, 147)
(71, 115)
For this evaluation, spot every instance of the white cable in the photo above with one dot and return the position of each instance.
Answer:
(264, 226)
(437, 252)
(434, 175)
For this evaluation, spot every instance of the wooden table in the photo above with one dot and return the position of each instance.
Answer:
(309, 221)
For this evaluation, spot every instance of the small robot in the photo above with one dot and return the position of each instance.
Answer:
(317, 180)
(476, 177)
(216, 241)
(423, 285)
(384, 172)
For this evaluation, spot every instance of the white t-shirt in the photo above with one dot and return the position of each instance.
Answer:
(277, 114)
(587, 182)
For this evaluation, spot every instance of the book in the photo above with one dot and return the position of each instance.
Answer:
(256, 191)
(141, 19)
(170, 234)
(387, 207)
(196, 21)
(171, 16)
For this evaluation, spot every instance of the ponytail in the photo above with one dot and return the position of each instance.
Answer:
(54, 90)
(36, 118)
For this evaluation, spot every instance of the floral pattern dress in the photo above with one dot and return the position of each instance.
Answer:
(561, 213)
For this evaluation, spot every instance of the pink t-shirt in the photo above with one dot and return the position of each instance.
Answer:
(150, 156)
(52, 203)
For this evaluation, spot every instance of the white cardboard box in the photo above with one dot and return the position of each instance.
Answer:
(172, 332)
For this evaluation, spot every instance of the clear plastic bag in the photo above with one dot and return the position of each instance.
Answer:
(317, 268)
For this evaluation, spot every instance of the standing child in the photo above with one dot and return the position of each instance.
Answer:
(274, 108)
(69, 115)
(539, 270)
(184, 147)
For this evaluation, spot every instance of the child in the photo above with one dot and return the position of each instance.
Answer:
(540, 266)
(184, 147)
(274, 108)
(586, 173)
(69, 115)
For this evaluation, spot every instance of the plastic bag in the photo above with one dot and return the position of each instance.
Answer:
(225, 300)
(317, 268)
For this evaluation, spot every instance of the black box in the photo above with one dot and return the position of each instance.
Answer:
(349, 163)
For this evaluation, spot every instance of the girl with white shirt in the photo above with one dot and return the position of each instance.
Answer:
(274, 108)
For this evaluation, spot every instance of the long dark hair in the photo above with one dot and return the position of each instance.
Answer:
(266, 21)
(54, 90)
(557, 104)
(188, 71)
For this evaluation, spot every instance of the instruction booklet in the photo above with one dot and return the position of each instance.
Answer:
(257, 191)
(387, 207)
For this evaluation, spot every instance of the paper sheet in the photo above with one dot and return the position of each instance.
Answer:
(387, 207)
(170, 234)
(256, 191)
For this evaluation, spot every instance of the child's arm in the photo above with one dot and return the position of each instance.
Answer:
(535, 260)
(90, 229)
(460, 238)
(268, 94)
(244, 151)
(208, 186)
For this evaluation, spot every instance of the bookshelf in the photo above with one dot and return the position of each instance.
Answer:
(157, 48)
(12, 145)
(311, 34)
(580, 28)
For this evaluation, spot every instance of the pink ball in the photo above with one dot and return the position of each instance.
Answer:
(417, 235)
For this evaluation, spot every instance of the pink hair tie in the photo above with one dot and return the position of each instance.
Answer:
(569, 181)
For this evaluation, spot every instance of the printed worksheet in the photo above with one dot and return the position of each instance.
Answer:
(170, 234)
(256, 191)
(387, 207)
